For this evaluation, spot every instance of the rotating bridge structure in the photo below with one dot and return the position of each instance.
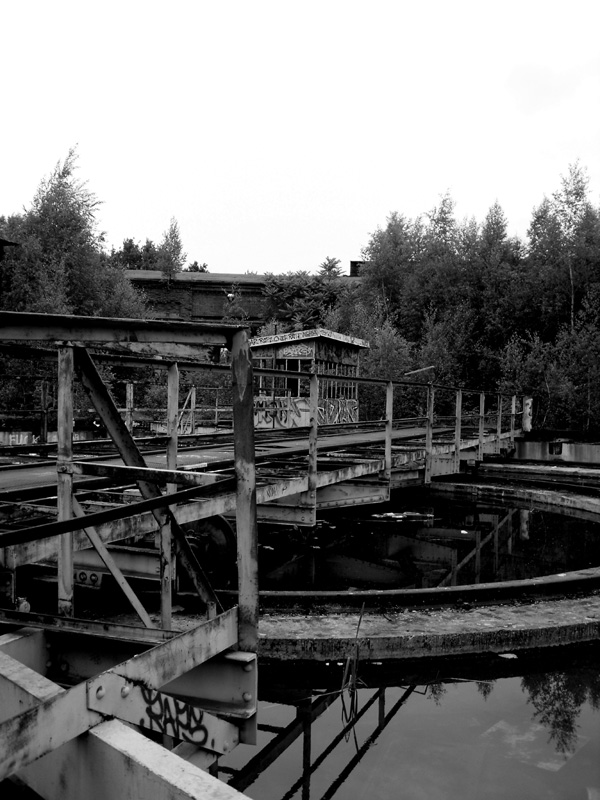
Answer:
(149, 700)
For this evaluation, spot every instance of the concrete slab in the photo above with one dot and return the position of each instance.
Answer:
(430, 633)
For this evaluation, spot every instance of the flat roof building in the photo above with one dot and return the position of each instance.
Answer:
(284, 402)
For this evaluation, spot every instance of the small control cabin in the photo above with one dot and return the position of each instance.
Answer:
(284, 402)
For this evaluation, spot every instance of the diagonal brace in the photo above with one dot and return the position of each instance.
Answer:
(132, 457)
(113, 568)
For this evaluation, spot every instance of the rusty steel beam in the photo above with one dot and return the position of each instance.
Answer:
(245, 470)
(63, 717)
(34, 548)
(216, 504)
(481, 426)
(81, 627)
(165, 538)
(32, 327)
(457, 430)
(429, 432)
(56, 716)
(389, 424)
(182, 477)
(113, 760)
(64, 481)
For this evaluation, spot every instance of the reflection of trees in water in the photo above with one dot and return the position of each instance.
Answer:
(485, 688)
(558, 698)
(435, 691)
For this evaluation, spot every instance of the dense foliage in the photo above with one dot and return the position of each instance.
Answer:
(485, 309)
(60, 265)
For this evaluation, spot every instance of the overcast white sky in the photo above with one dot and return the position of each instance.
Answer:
(279, 133)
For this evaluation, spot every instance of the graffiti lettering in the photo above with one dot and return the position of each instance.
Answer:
(295, 351)
(280, 412)
(338, 411)
(312, 333)
(172, 717)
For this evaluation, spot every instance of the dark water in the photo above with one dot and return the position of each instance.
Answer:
(417, 544)
(529, 736)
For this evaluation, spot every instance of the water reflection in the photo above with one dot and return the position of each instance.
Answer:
(558, 699)
(424, 546)
(489, 727)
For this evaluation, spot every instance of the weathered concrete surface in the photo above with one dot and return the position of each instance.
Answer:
(439, 632)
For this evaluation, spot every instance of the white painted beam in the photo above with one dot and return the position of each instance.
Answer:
(27, 645)
(21, 688)
(117, 763)
(111, 761)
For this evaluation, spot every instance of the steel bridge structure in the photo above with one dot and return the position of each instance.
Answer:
(103, 707)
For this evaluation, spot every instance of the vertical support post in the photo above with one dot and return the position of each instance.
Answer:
(216, 409)
(496, 559)
(165, 536)
(498, 425)
(481, 426)
(527, 414)
(64, 487)
(457, 430)
(509, 534)
(193, 411)
(44, 412)
(513, 414)
(313, 439)
(247, 545)
(172, 417)
(429, 433)
(477, 556)
(389, 420)
(129, 406)
(453, 568)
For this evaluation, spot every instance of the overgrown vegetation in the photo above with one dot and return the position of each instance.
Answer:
(486, 310)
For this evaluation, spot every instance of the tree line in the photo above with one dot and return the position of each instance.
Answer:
(485, 309)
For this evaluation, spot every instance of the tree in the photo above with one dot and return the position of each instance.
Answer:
(300, 298)
(195, 267)
(449, 344)
(571, 207)
(129, 256)
(170, 255)
(391, 258)
(61, 265)
(564, 250)
(234, 311)
(330, 268)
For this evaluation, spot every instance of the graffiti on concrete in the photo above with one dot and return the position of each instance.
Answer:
(338, 410)
(280, 412)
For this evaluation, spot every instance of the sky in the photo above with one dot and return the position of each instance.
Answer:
(280, 133)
